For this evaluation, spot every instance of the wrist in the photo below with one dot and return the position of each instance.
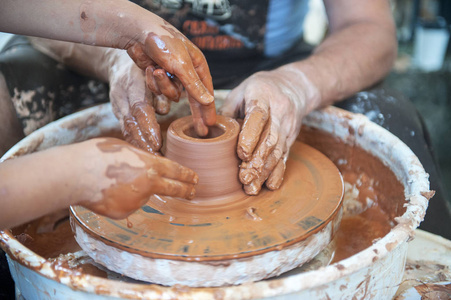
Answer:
(301, 86)
(114, 60)
(78, 176)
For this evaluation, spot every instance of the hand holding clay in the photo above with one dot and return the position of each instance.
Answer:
(149, 40)
(107, 175)
(118, 179)
(272, 105)
(167, 48)
(133, 104)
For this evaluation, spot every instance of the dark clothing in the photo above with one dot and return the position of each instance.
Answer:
(229, 33)
(43, 90)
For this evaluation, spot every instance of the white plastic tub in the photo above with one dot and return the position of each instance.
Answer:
(373, 273)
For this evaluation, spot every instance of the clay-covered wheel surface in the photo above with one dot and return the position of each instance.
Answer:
(309, 198)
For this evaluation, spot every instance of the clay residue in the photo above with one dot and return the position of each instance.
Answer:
(29, 148)
(51, 237)
(430, 291)
(252, 214)
(373, 199)
(48, 236)
(359, 232)
(373, 179)
(428, 195)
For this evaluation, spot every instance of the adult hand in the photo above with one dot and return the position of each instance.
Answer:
(114, 178)
(133, 104)
(272, 105)
(164, 53)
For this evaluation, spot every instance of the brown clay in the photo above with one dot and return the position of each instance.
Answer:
(222, 222)
(213, 157)
(355, 164)
(387, 193)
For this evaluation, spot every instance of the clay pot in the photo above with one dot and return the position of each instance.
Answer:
(213, 158)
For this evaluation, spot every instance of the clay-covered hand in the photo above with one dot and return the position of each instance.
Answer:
(170, 61)
(133, 103)
(114, 178)
(272, 105)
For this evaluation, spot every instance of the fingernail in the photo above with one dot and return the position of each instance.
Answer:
(251, 189)
(201, 129)
(207, 99)
(196, 179)
(274, 184)
(159, 75)
(247, 178)
(192, 194)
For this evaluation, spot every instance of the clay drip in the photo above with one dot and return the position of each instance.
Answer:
(213, 158)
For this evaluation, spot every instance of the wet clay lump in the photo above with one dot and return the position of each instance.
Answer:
(212, 157)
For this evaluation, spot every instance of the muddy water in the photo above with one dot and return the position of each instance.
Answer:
(373, 198)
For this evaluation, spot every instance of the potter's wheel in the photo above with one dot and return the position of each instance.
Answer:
(227, 240)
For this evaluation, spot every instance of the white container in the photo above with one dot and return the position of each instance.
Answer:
(431, 42)
(373, 273)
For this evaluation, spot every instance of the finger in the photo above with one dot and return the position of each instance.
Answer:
(171, 170)
(257, 114)
(195, 76)
(265, 147)
(196, 111)
(119, 106)
(194, 86)
(166, 85)
(151, 80)
(209, 114)
(252, 168)
(150, 98)
(173, 188)
(208, 111)
(133, 135)
(141, 59)
(149, 128)
(255, 186)
(275, 179)
(162, 105)
(263, 160)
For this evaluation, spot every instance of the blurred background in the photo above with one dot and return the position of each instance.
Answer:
(422, 72)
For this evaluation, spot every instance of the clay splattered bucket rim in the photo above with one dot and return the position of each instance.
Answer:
(342, 124)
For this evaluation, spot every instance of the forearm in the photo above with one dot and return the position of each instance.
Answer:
(354, 56)
(108, 23)
(85, 59)
(34, 185)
